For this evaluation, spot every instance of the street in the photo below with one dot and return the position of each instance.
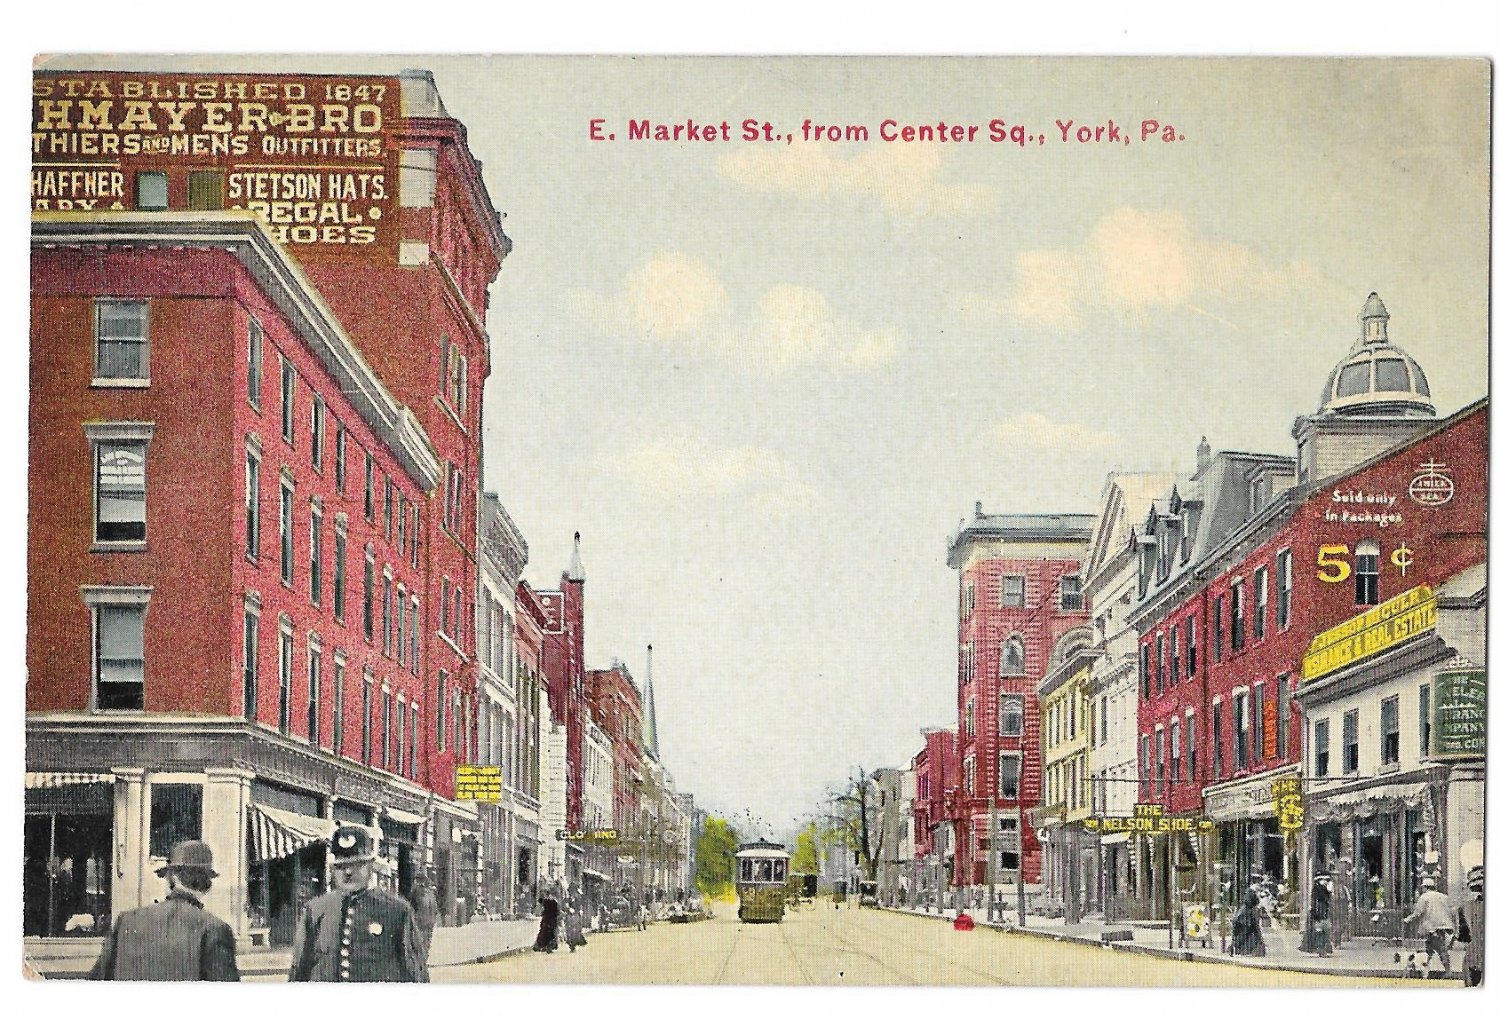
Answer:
(823, 946)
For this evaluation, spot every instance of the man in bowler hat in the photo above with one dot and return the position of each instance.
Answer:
(175, 939)
(354, 933)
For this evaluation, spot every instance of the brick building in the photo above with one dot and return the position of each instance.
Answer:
(933, 808)
(1020, 594)
(308, 338)
(562, 664)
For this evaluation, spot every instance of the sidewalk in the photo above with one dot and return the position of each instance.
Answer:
(1360, 957)
(483, 941)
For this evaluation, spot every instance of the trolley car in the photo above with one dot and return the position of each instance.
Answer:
(760, 881)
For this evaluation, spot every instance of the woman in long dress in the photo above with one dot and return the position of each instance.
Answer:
(546, 935)
(575, 925)
(1246, 926)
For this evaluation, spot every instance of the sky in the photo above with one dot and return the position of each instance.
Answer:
(766, 380)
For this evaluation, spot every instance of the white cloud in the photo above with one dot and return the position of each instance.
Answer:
(677, 299)
(902, 179)
(1036, 433)
(691, 468)
(1134, 261)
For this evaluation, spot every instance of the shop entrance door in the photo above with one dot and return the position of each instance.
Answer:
(66, 876)
(294, 881)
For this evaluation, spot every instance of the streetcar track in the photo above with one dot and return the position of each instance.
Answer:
(787, 941)
(910, 948)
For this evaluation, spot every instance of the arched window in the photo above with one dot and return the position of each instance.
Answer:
(1013, 659)
(1367, 573)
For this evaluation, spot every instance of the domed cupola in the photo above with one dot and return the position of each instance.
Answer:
(1377, 378)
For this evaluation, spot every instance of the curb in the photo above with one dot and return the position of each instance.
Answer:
(1180, 955)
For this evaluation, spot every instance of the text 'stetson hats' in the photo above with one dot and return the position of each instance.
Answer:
(352, 844)
(190, 854)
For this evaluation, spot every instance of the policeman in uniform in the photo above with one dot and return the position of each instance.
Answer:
(356, 933)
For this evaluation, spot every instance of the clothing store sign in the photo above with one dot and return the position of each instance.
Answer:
(1458, 713)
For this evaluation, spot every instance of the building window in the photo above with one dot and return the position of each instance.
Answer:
(314, 690)
(1192, 748)
(1145, 767)
(1145, 670)
(452, 499)
(1236, 615)
(411, 735)
(1218, 628)
(1192, 646)
(1071, 597)
(969, 718)
(176, 815)
(1161, 761)
(316, 433)
(1258, 724)
(1241, 731)
(338, 704)
(1012, 713)
(1424, 718)
(1351, 742)
(340, 556)
(119, 481)
(386, 608)
(401, 626)
(369, 487)
(1284, 589)
(416, 535)
(387, 706)
(251, 671)
(390, 490)
(1283, 715)
(284, 712)
(287, 493)
(150, 191)
(315, 558)
(1367, 573)
(1013, 592)
(969, 775)
(254, 376)
(340, 455)
(459, 609)
(252, 505)
(369, 613)
(1176, 751)
(366, 711)
(1320, 748)
(1176, 656)
(1010, 776)
(418, 179)
(288, 402)
(1013, 657)
(442, 711)
(122, 340)
(205, 190)
(119, 623)
(1218, 734)
(1390, 731)
(1161, 662)
(401, 522)
(1262, 592)
(414, 655)
(401, 735)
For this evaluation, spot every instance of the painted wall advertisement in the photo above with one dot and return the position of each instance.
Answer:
(1458, 713)
(310, 155)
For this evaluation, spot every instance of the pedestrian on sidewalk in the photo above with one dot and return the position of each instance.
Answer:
(1435, 922)
(1343, 902)
(546, 935)
(356, 933)
(575, 923)
(1246, 926)
(1317, 937)
(424, 907)
(176, 939)
(1471, 928)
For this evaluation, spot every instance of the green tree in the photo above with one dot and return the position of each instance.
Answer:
(805, 855)
(717, 845)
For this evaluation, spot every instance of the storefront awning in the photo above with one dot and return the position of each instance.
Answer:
(276, 833)
(594, 875)
(58, 779)
(405, 816)
(1366, 802)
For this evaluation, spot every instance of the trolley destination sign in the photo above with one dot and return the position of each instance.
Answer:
(1369, 633)
(1148, 819)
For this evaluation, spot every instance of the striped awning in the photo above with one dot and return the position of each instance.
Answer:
(58, 779)
(276, 833)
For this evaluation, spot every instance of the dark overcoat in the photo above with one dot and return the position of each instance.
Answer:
(176, 939)
(364, 936)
